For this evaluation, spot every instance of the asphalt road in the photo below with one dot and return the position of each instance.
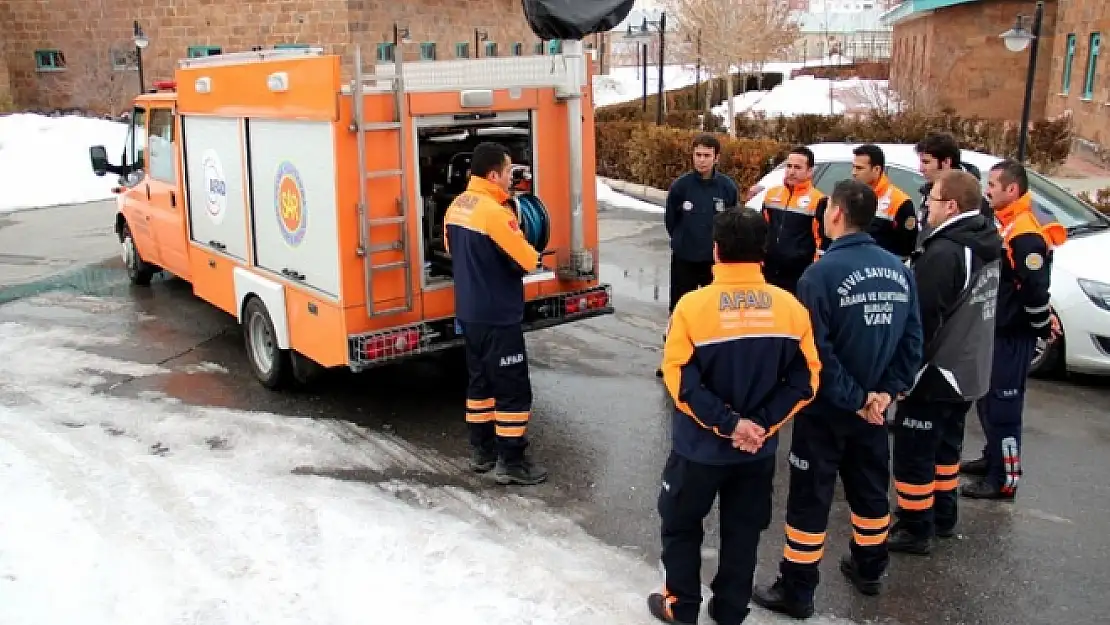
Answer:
(601, 425)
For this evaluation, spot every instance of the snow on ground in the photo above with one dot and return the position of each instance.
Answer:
(47, 159)
(121, 511)
(806, 95)
(606, 194)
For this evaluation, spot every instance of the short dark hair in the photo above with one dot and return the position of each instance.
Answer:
(858, 202)
(740, 234)
(873, 153)
(487, 157)
(958, 185)
(1013, 172)
(806, 152)
(940, 145)
(707, 140)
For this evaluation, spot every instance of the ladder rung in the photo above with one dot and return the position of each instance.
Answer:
(384, 173)
(390, 311)
(386, 221)
(370, 127)
(386, 247)
(394, 265)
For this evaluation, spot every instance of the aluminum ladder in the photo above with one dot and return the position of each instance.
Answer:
(368, 224)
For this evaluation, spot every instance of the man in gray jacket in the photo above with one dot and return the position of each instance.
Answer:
(957, 272)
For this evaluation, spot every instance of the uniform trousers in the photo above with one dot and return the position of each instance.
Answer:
(499, 391)
(823, 446)
(1000, 410)
(687, 275)
(689, 489)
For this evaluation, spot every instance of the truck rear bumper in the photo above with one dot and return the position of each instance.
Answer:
(374, 349)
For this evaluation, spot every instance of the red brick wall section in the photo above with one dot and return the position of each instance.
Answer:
(1090, 116)
(86, 30)
(954, 58)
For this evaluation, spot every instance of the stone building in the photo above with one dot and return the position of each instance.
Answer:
(1080, 78)
(81, 53)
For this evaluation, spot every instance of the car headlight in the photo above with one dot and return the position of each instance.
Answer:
(1098, 292)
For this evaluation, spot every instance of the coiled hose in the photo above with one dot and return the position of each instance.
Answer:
(535, 221)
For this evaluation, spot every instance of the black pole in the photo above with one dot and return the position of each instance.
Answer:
(645, 55)
(139, 56)
(475, 43)
(662, 58)
(697, 75)
(1023, 132)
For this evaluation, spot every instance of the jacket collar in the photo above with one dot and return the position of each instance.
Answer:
(881, 186)
(848, 240)
(481, 186)
(801, 188)
(1018, 207)
(951, 221)
(737, 273)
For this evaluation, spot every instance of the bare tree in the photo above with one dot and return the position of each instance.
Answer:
(734, 34)
(108, 75)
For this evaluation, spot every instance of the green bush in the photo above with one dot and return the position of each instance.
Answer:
(656, 155)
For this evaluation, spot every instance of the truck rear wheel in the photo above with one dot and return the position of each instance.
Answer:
(139, 272)
(270, 363)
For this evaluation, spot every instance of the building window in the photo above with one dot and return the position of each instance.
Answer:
(538, 49)
(49, 60)
(491, 48)
(462, 50)
(1092, 65)
(124, 58)
(385, 52)
(427, 51)
(199, 51)
(518, 49)
(555, 46)
(289, 46)
(1069, 56)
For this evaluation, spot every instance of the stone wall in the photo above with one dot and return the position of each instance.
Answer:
(1091, 115)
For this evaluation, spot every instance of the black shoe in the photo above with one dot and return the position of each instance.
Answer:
(946, 532)
(974, 467)
(869, 587)
(658, 373)
(776, 599)
(482, 460)
(523, 474)
(981, 489)
(902, 541)
(657, 605)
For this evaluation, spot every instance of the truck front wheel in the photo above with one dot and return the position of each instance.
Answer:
(270, 363)
(139, 272)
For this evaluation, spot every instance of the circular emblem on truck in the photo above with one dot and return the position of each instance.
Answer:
(289, 201)
(215, 187)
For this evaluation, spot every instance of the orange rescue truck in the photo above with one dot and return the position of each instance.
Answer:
(311, 208)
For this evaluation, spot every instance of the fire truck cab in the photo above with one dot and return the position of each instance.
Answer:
(311, 208)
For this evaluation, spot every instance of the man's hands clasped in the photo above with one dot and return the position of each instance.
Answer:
(748, 436)
(874, 409)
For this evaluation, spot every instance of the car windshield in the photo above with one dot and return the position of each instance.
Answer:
(1059, 204)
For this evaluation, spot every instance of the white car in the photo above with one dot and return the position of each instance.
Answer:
(1080, 269)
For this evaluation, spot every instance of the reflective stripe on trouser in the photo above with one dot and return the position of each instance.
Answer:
(1000, 410)
(823, 446)
(499, 392)
(928, 440)
(685, 499)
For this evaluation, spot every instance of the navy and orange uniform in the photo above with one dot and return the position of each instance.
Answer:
(867, 328)
(793, 232)
(738, 348)
(895, 226)
(490, 258)
(1023, 316)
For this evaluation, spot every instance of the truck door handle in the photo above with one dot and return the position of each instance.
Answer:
(217, 245)
(148, 191)
(173, 200)
(293, 273)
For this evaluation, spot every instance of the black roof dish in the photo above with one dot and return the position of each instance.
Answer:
(574, 19)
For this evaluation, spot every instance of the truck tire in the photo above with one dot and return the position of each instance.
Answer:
(139, 272)
(271, 364)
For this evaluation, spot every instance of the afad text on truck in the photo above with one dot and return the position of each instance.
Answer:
(310, 207)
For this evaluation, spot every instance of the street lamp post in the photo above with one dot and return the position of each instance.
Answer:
(661, 24)
(1016, 40)
(400, 35)
(140, 42)
(479, 36)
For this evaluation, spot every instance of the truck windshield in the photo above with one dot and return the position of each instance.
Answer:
(135, 147)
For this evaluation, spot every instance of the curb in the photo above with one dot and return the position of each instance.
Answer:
(641, 192)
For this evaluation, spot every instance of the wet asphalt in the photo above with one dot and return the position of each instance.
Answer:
(601, 426)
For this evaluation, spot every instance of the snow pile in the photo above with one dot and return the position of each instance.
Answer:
(141, 511)
(806, 95)
(606, 194)
(47, 159)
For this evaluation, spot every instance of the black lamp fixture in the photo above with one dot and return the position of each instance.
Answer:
(141, 42)
(479, 36)
(643, 30)
(1016, 40)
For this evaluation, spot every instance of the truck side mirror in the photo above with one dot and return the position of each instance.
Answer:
(99, 158)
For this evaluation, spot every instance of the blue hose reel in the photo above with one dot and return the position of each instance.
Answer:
(534, 219)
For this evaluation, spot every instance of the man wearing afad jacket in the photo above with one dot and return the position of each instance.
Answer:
(957, 273)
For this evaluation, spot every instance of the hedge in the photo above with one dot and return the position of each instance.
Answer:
(1101, 200)
(656, 155)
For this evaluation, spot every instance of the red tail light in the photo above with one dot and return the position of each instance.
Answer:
(585, 302)
(391, 345)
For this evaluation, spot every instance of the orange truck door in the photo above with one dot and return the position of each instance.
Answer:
(165, 206)
(135, 203)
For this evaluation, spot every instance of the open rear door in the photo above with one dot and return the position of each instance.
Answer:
(574, 19)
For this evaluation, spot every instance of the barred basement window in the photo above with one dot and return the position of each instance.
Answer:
(124, 59)
(462, 50)
(199, 51)
(50, 60)
(491, 48)
(518, 49)
(427, 51)
(385, 52)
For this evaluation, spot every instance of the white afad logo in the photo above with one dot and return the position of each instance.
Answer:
(215, 187)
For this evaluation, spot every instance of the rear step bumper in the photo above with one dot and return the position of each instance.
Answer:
(373, 349)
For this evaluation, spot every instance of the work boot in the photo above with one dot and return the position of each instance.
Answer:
(657, 605)
(974, 467)
(523, 473)
(869, 587)
(482, 460)
(982, 489)
(902, 541)
(659, 373)
(945, 532)
(777, 599)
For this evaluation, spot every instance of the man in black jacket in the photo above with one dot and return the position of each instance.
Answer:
(957, 272)
(938, 152)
